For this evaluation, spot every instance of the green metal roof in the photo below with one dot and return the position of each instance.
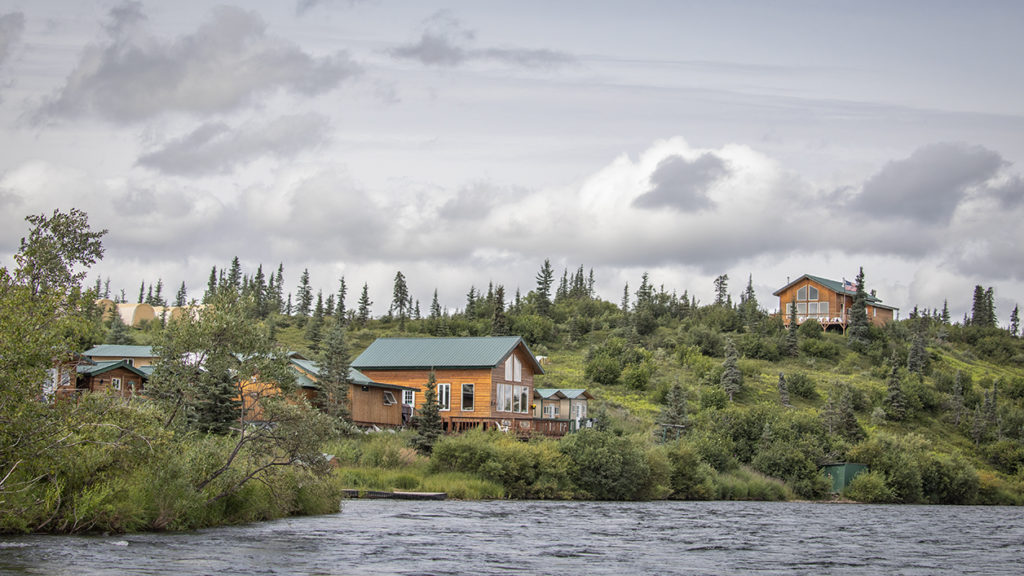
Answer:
(570, 393)
(427, 353)
(98, 368)
(355, 377)
(121, 350)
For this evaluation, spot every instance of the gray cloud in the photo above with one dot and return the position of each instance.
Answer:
(214, 147)
(225, 64)
(442, 44)
(928, 186)
(473, 202)
(11, 27)
(1011, 194)
(303, 6)
(682, 184)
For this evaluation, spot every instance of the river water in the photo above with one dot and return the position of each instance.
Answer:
(571, 538)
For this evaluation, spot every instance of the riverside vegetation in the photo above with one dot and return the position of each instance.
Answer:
(694, 401)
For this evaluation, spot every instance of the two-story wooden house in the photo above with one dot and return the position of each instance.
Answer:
(481, 382)
(828, 302)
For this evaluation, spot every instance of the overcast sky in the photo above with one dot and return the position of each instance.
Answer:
(464, 142)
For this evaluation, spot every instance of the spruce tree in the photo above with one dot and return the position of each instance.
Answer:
(400, 300)
(545, 278)
(721, 290)
(428, 420)
(279, 289)
(499, 323)
(1014, 322)
(304, 295)
(945, 312)
(118, 333)
(958, 398)
(363, 312)
(142, 292)
(917, 358)
(334, 374)
(674, 417)
(235, 274)
(314, 328)
(435, 307)
(895, 401)
(792, 333)
(858, 331)
(783, 391)
(211, 287)
(339, 303)
(181, 298)
(732, 378)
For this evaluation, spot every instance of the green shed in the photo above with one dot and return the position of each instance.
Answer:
(842, 473)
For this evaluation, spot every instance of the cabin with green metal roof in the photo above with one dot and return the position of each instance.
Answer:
(137, 356)
(481, 382)
(567, 403)
(117, 377)
(828, 302)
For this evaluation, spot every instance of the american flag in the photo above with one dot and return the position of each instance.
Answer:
(849, 286)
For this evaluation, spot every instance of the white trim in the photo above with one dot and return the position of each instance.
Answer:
(446, 396)
(115, 384)
(412, 397)
(389, 398)
(472, 397)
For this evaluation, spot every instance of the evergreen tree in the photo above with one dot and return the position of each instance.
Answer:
(858, 330)
(211, 287)
(917, 358)
(958, 398)
(792, 332)
(783, 391)
(435, 307)
(400, 300)
(304, 295)
(990, 308)
(545, 278)
(499, 323)
(674, 417)
(118, 333)
(749, 307)
(279, 290)
(181, 298)
(978, 425)
(471, 300)
(721, 290)
(1014, 322)
(234, 279)
(260, 293)
(624, 306)
(142, 292)
(288, 308)
(895, 401)
(329, 305)
(339, 304)
(732, 378)
(216, 405)
(158, 294)
(106, 287)
(363, 313)
(945, 312)
(428, 421)
(315, 326)
(334, 374)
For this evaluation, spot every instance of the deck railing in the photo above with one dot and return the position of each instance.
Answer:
(521, 425)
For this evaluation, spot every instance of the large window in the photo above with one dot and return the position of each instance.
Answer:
(551, 410)
(409, 397)
(444, 396)
(467, 397)
(513, 398)
(807, 305)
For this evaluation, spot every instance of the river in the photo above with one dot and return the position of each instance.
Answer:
(570, 538)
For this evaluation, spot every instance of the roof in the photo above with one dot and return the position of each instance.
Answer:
(121, 350)
(837, 287)
(310, 370)
(569, 393)
(95, 369)
(430, 353)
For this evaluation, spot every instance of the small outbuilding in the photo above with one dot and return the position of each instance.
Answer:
(842, 473)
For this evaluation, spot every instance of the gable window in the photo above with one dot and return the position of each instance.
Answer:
(129, 361)
(467, 397)
(444, 397)
(513, 369)
(115, 383)
(409, 397)
(389, 398)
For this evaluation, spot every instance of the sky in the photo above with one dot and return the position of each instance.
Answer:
(465, 142)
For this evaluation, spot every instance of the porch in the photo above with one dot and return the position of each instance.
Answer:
(520, 425)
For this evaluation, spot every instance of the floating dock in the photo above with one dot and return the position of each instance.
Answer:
(351, 493)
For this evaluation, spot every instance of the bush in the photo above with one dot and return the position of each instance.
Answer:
(603, 369)
(690, 477)
(820, 348)
(801, 386)
(869, 488)
(607, 467)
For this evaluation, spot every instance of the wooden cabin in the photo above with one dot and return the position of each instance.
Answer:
(137, 356)
(111, 376)
(565, 403)
(828, 302)
(481, 382)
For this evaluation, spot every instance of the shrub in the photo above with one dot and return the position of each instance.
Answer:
(690, 477)
(607, 467)
(802, 386)
(821, 348)
(869, 488)
(603, 369)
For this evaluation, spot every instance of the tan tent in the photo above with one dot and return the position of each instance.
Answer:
(135, 314)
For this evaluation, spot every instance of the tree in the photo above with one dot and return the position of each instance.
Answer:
(545, 278)
(499, 323)
(674, 418)
(400, 300)
(783, 390)
(917, 358)
(721, 290)
(118, 333)
(858, 331)
(749, 307)
(333, 398)
(182, 297)
(339, 303)
(234, 280)
(792, 332)
(732, 378)
(945, 312)
(314, 329)
(428, 421)
(211, 286)
(895, 400)
(304, 295)
(363, 313)
(279, 289)
(1014, 322)
(54, 249)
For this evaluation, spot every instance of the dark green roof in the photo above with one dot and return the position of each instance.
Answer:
(355, 377)
(97, 368)
(427, 353)
(122, 350)
(571, 393)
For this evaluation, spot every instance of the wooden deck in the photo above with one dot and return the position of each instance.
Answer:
(522, 426)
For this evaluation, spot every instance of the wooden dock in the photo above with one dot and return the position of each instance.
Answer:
(352, 493)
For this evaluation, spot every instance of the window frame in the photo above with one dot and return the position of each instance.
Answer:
(444, 392)
(115, 384)
(389, 395)
(412, 397)
(472, 397)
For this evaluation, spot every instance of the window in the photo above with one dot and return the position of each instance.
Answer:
(823, 308)
(389, 398)
(580, 409)
(812, 293)
(812, 308)
(444, 397)
(513, 398)
(129, 361)
(467, 397)
(504, 403)
(801, 294)
(551, 410)
(115, 383)
(513, 369)
(801, 308)
(409, 397)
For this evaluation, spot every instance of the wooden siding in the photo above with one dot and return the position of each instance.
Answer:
(368, 406)
(838, 305)
(483, 388)
(103, 383)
